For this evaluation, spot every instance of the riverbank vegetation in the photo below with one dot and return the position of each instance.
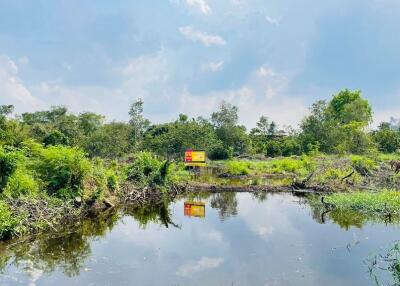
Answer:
(55, 165)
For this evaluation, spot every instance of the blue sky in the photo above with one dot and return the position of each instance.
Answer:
(271, 58)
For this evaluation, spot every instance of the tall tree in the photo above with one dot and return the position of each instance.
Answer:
(137, 121)
(227, 115)
(232, 135)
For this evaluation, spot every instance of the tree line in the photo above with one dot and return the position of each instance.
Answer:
(338, 126)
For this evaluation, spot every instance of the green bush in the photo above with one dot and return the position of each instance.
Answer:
(21, 183)
(147, 170)
(301, 166)
(63, 170)
(238, 167)
(8, 165)
(98, 181)
(178, 173)
(8, 223)
(363, 165)
(112, 181)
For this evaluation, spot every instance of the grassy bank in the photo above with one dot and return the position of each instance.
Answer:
(44, 188)
(323, 172)
(377, 203)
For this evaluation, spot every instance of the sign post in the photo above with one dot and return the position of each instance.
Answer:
(195, 158)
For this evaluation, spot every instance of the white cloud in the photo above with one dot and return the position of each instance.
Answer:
(213, 66)
(264, 231)
(264, 93)
(273, 21)
(204, 263)
(201, 5)
(211, 235)
(23, 60)
(147, 77)
(12, 89)
(264, 72)
(239, 3)
(198, 36)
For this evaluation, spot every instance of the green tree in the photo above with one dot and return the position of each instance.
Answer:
(109, 141)
(138, 122)
(172, 139)
(339, 125)
(388, 139)
(234, 137)
(89, 122)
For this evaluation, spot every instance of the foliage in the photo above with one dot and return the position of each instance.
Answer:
(138, 122)
(63, 170)
(383, 202)
(338, 126)
(387, 138)
(363, 165)
(238, 167)
(233, 136)
(8, 164)
(171, 140)
(8, 222)
(21, 183)
(147, 170)
(300, 166)
(109, 141)
(177, 173)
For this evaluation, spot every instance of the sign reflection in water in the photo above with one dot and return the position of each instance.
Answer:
(195, 209)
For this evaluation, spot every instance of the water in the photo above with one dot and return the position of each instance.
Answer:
(272, 239)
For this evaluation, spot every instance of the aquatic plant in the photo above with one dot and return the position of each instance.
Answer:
(381, 265)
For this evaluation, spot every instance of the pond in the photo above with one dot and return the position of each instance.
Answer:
(211, 239)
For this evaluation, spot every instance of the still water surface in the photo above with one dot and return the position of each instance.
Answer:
(236, 239)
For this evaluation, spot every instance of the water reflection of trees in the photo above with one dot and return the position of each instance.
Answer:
(155, 213)
(226, 203)
(347, 218)
(66, 251)
(260, 196)
(70, 250)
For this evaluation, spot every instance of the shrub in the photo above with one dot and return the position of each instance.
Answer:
(112, 181)
(63, 170)
(8, 223)
(8, 164)
(238, 167)
(98, 181)
(363, 165)
(147, 170)
(219, 152)
(21, 183)
(178, 173)
(301, 166)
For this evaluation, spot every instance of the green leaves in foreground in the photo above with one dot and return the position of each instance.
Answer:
(385, 202)
(8, 223)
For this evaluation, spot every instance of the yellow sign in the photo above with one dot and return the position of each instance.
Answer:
(195, 158)
(195, 209)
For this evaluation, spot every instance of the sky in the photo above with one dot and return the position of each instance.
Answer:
(268, 57)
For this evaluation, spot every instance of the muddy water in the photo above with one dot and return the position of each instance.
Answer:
(231, 239)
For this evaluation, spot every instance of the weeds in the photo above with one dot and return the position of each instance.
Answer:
(8, 222)
(381, 203)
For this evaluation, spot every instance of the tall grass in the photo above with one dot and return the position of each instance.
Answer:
(384, 202)
(299, 166)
